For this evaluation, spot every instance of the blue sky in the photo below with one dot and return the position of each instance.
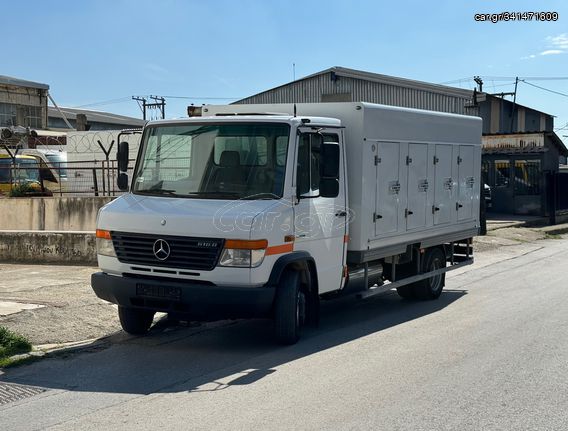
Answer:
(90, 52)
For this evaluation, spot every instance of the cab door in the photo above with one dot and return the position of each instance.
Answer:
(320, 223)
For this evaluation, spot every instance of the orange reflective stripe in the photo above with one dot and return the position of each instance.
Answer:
(345, 238)
(279, 249)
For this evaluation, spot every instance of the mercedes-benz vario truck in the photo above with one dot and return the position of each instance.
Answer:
(260, 211)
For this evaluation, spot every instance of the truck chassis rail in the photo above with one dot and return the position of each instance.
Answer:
(393, 285)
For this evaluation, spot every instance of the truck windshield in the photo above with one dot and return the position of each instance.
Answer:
(213, 161)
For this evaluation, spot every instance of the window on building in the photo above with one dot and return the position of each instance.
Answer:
(527, 177)
(502, 173)
(7, 114)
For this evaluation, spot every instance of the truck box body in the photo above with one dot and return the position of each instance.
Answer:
(413, 175)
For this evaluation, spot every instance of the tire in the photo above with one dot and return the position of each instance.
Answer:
(406, 292)
(289, 308)
(431, 288)
(135, 321)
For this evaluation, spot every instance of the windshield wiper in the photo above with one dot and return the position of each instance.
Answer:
(215, 193)
(152, 191)
(261, 196)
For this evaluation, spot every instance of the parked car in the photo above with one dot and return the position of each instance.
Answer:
(487, 196)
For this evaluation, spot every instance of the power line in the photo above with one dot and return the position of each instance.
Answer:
(545, 89)
(105, 102)
(202, 98)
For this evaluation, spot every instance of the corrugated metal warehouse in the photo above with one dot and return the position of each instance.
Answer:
(515, 189)
(339, 84)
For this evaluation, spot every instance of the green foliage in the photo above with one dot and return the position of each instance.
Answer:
(22, 189)
(12, 344)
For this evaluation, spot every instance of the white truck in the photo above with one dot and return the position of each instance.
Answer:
(262, 210)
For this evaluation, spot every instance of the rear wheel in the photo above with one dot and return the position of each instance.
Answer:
(135, 321)
(289, 308)
(406, 292)
(431, 288)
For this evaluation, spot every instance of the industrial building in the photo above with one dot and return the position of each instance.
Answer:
(84, 119)
(520, 147)
(23, 103)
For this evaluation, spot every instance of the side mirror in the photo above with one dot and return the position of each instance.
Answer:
(122, 156)
(329, 161)
(329, 170)
(122, 181)
(122, 159)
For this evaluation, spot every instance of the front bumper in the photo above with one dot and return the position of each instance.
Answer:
(197, 301)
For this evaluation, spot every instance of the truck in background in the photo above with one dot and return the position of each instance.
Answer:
(262, 210)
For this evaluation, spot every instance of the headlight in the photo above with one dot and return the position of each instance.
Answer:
(104, 243)
(243, 253)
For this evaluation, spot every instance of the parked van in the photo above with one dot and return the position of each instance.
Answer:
(263, 210)
(21, 170)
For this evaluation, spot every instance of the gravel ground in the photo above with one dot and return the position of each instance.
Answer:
(73, 313)
(71, 310)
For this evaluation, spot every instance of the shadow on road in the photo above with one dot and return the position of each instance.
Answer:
(236, 353)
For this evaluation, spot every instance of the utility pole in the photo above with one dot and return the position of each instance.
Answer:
(158, 103)
(142, 103)
(514, 102)
(479, 82)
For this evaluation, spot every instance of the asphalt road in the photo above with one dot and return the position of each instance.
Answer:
(491, 354)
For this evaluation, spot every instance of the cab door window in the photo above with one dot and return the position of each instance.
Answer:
(308, 178)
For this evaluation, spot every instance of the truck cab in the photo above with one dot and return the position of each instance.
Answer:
(226, 218)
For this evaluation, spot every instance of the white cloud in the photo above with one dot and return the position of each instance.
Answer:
(559, 42)
(555, 44)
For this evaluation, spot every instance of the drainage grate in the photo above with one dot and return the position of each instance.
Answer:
(11, 392)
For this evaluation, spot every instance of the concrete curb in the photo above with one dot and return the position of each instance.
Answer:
(53, 350)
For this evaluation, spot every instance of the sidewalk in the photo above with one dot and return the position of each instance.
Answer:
(500, 221)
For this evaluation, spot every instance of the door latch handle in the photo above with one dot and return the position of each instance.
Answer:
(458, 206)
(435, 208)
(407, 212)
(341, 214)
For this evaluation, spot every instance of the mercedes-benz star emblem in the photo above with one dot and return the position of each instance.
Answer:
(161, 249)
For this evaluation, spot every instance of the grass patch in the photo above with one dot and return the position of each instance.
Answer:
(12, 344)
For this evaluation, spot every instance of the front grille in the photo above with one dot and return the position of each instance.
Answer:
(185, 252)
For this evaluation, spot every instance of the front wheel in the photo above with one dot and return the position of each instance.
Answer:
(135, 321)
(289, 308)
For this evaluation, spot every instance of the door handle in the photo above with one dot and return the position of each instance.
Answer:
(458, 206)
(407, 212)
(341, 214)
(435, 208)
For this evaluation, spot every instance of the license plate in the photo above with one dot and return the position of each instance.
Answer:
(163, 292)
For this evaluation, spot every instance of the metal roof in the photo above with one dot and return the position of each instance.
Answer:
(16, 82)
(382, 79)
(95, 116)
